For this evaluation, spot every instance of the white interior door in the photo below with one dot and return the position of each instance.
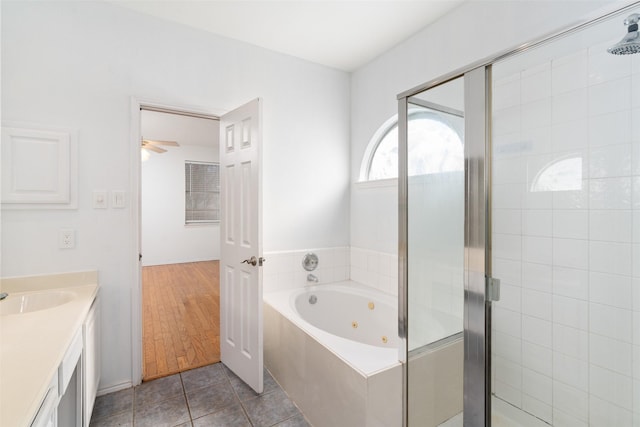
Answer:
(241, 243)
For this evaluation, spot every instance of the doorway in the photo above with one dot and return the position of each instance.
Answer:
(180, 241)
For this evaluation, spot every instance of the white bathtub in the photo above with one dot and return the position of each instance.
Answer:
(338, 374)
(341, 320)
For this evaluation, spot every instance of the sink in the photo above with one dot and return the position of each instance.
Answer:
(27, 303)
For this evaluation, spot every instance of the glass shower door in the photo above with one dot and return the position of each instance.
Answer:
(435, 242)
(566, 203)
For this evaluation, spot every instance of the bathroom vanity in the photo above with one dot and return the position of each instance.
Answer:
(50, 350)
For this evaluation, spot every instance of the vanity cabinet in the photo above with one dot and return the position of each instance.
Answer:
(70, 384)
(47, 415)
(91, 360)
(71, 394)
(50, 352)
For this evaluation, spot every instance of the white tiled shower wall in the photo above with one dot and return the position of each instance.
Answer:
(376, 269)
(567, 329)
(283, 270)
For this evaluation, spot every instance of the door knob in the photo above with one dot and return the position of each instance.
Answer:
(253, 261)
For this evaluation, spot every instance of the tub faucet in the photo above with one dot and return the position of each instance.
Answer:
(312, 278)
(3, 295)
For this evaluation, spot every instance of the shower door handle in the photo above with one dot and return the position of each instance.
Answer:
(492, 289)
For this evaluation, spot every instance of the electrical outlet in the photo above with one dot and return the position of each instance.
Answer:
(67, 238)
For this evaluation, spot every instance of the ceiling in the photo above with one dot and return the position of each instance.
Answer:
(185, 130)
(344, 34)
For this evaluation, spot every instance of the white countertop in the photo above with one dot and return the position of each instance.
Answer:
(32, 345)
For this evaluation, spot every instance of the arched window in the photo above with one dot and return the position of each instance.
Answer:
(435, 145)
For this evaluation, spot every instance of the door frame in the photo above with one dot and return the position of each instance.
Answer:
(135, 167)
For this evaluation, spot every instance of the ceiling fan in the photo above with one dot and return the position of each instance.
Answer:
(153, 145)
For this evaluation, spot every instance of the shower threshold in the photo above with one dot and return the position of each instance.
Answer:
(503, 414)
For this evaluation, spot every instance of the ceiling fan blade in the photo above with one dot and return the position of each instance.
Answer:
(157, 142)
(154, 148)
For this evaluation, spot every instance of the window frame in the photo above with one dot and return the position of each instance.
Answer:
(388, 126)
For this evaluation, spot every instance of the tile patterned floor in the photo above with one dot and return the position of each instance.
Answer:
(208, 396)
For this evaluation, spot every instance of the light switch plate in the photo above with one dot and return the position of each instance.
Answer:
(118, 199)
(99, 199)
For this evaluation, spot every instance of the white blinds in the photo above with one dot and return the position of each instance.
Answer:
(202, 192)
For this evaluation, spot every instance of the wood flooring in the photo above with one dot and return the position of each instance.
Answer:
(181, 317)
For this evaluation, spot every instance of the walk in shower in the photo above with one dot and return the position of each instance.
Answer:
(566, 230)
(536, 182)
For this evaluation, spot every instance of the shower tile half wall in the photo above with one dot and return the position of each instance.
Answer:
(283, 269)
(566, 246)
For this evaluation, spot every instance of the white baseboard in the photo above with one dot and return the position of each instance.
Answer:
(115, 387)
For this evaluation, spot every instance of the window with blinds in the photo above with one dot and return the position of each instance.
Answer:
(202, 192)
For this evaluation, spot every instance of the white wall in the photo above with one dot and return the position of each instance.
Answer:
(77, 64)
(165, 237)
(474, 31)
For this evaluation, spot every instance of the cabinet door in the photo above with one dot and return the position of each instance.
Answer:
(47, 415)
(91, 360)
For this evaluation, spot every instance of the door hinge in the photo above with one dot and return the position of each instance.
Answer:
(139, 257)
(492, 289)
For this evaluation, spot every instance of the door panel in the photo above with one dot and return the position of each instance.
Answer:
(241, 283)
(246, 214)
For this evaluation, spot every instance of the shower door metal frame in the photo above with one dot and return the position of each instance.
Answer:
(477, 311)
(477, 249)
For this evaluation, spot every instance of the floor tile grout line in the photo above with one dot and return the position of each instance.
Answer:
(228, 380)
(244, 410)
(116, 413)
(229, 376)
(186, 399)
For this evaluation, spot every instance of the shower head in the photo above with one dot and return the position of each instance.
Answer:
(630, 43)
